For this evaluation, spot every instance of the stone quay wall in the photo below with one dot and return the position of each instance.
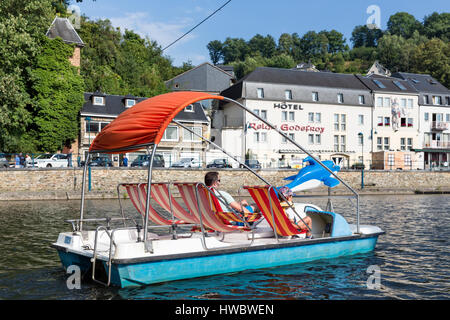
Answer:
(65, 183)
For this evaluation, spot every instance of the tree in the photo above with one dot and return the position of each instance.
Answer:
(437, 25)
(234, 49)
(58, 97)
(215, 51)
(265, 46)
(433, 57)
(362, 36)
(403, 24)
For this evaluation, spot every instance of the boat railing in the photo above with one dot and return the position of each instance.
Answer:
(76, 223)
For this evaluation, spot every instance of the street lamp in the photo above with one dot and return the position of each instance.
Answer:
(361, 135)
(88, 131)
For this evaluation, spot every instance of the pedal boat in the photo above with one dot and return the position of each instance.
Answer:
(119, 251)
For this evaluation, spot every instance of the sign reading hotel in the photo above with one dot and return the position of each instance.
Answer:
(287, 106)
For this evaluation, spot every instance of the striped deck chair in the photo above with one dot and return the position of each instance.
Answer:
(160, 193)
(265, 198)
(138, 195)
(228, 216)
(204, 207)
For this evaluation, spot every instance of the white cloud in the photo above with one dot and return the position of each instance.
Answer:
(163, 33)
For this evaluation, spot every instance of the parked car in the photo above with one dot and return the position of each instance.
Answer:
(187, 163)
(48, 160)
(358, 165)
(143, 161)
(254, 164)
(4, 163)
(100, 161)
(219, 163)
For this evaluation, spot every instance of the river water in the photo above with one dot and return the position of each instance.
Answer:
(412, 257)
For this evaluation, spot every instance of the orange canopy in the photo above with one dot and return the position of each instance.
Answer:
(145, 122)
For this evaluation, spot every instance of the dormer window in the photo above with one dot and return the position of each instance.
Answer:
(99, 101)
(130, 102)
(189, 108)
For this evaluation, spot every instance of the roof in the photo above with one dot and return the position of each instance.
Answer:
(204, 77)
(144, 123)
(305, 78)
(422, 82)
(115, 105)
(388, 84)
(61, 27)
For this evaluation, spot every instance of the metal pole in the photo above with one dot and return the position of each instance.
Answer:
(147, 204)
(88, 119)
(362, 160)
(83, 189)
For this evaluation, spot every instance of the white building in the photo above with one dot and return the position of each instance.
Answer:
(329, 114)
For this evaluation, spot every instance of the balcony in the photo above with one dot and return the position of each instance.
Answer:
(439, 125)
(436, 144)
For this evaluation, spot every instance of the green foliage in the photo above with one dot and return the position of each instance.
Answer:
(58, 97)
(403, 24)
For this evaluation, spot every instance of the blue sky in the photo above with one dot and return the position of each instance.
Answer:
(166, 20)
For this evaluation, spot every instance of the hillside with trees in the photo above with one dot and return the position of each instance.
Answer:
(406, 45)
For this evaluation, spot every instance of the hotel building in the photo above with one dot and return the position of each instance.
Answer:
(329, 114)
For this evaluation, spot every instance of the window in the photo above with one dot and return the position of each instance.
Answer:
(260, 93)
(410, 122)
(402, 143)
(315, 96)
(407, 160)
(426, 116)
(361, 99)
(391, 159)
(336, 143)
(95, 126)
(318, 117)
(189, 108)
(189, 136)
(437, 100)
(403, 102)
(170, 134)
(447, 117)
(386, 143)
(318, 139)
(387, 121)
(310, 116)
(283, 115)
(387, 102)
(360, 119)
(310, 138)
(130, 102)
(343, 122)
(260, 136)
(288, 94)
(379, 84)
(447, 101)
(380, 121)
(426, 100)
(291, 116)
(410, 103)
(99, 101)
(402, 122)
(379, 143)
(343, 144)
(399, 85)
(410, 143)
(340, 97)
(336, 122)
(379, 102)
(261, 113)
(290, 135)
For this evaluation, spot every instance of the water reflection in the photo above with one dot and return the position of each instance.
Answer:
(413, 257)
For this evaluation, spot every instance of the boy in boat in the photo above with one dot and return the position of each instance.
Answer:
(302, 223)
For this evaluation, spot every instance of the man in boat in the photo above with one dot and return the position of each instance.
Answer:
(212, 181)
(287, 205)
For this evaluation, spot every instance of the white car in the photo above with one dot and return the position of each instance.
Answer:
(57, 160)
(187, 163)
